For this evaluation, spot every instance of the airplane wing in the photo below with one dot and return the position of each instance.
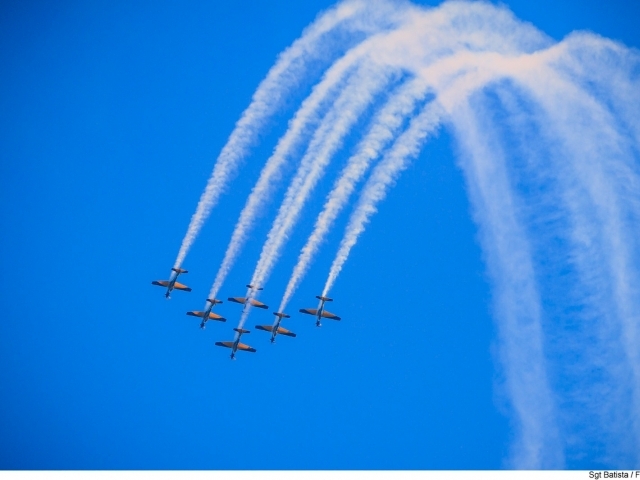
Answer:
(281, 331)
(161, 283)
(225, 344)
(179, 286)
(284, 331)
(329, 315)
(212, 316)
(246, 348)
(258, 304)
(325, 314)
(243, 300)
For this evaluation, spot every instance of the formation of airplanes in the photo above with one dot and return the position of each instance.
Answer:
(235, 345)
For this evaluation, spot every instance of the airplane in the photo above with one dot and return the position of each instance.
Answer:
(171, 283)
(320, 312)
(252, 301)
(277, 329)
(236, 345)
(207, 315)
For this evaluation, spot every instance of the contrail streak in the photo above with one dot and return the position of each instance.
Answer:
(327, 139)
(383, 176)
(600, 194)
(273, 168)
(307, 114)
(282, 77)
(385, 126)
(517, 297)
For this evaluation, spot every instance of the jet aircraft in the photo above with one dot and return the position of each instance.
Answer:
(236, 345)
(171, 283)
(249, 299)
(276, 328)
(207, 314)
(320, 312)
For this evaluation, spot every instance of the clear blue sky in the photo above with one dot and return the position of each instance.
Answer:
(112, 114)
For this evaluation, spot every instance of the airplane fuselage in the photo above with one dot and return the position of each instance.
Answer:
(172, 283)
(205, 317)
(170, 287)
(234, 349)
(319, 313)
(275, 330)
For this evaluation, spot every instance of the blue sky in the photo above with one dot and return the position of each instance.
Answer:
(112, 115)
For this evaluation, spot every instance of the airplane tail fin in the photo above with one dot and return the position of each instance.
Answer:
(241, 330)
(326, 299)
(179, 270)
(214, 301)
(254, 287)
(281, 315)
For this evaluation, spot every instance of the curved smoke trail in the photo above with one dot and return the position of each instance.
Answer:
(389, 54)
(326, 141)
(272, 169)
(357, 95)
(384, 175)
(384, 127)
(593, 193)
(282, 77)
(306, 115)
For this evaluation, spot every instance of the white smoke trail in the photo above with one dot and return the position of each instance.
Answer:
(383, 129)
(384, 175)
(600, 184)
(357, 95)
(391, 51)
(271, 171)
(404, 17)
(283, 76)
(597, 174)
(517, 298)
(538, 439)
